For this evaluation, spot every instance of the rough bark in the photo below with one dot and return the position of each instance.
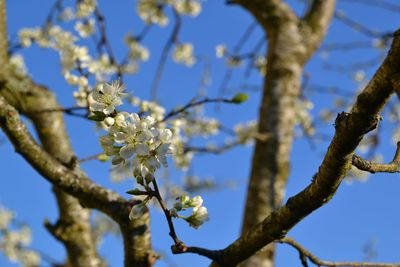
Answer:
(75, 183)
(350, 129)
(291, 42)
(3, 33)
(73, 228)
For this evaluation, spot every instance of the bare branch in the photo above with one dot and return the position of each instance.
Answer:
(211, 254)
(365, 165)
(345, 46)
(377, 3)
(268, 13)
(350, 129)
(307, 254)
(317, 18)
(91, 194)
(3, 34)
(213, 150)
(104, 42)
(192, 104)
(359, 27)
(164, 55)
(319, 14)
(135, 233)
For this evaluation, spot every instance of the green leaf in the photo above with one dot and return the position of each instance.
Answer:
(97, 116)
(239, 98)
(135, 192)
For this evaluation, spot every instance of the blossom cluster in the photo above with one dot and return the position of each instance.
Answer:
(303, 117)
(199, 213)
(77, 63)
(139, 141)
(246, 132)
(153, 11)
(183, 54)
(14, 242)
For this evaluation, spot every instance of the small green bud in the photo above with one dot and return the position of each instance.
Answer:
(239, 98)
(103, 157)
(134, 192)
(97, 116)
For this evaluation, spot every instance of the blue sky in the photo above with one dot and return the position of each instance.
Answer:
(359, 213)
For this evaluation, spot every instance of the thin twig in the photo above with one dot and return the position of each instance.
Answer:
(242, 40)
(167, 214)
(164, 55)
(369, 63)
(347, 46)
(212, 150)
(359, 27)
(377, 3)
(305, 253)
(104, 42)
(69, 111)
(89, 158)
(365, 165)
(191, 104)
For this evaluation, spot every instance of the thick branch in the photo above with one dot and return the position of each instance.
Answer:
(3, 34)
(73, 228)
(350, 129)
(268, 13)
(75, 183)
(291, 42)
(305, 253)
(365, 165)
(317, 20)
(319, 14)
(72, 181)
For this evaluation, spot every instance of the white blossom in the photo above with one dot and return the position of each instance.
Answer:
(14, 242)
(18, 64)
(106, 97)
(199, 213)
(85, 8)
(187, 7)
(151, 11)
(359, 76)
(67, 14)
(86, 28)
(183, 53)
(198, 217)
(137, 52)
(5, 217)
(261, 64)
(221, 51)
(246, 132)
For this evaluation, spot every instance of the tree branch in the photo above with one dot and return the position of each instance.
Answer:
(307, 254)
(350, 129)
(164, 55)
(291, 42)
(317, 18)
(72, 181)
(3, 34)
(319, 14)
(365, 165)
(268, 13)
(193, 103)
(73, 228)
